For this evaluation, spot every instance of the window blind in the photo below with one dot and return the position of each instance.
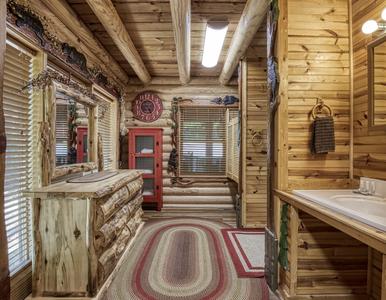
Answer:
(105, 129)
(61, 130)
(233, 145)
(202, 143)
(17, 107)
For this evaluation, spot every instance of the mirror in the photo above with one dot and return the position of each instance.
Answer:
(71, 131)
(377, 83)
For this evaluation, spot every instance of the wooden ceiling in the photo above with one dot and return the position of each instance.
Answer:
(149, 24)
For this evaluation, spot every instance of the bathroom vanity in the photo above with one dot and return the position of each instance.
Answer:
(334, 243)
(81, 230)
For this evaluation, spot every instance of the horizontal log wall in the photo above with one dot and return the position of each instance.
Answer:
(255, 160)
(369, 146)
(212, 193)
(318, 67)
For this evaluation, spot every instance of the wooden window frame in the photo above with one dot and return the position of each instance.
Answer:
(370, 72)
(103, 95)
(188, 106)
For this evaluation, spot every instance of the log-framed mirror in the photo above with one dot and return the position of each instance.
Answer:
(73, 136)
(376, 81)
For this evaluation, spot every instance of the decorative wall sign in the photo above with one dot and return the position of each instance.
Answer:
(147, 107)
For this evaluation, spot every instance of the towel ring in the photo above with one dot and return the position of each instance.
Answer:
(319, 106)
(257, 139)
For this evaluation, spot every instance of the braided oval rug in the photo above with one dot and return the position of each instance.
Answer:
(182, 258)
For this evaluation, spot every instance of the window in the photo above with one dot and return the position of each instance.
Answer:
(106, 123)
(202, 145)
(233, 144)
(18, 124)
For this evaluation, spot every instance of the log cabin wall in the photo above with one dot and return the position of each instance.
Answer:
(212, 194)
(318, 64)
(369, 146)
(254, 159)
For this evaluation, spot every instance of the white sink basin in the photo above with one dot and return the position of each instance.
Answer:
(370, 210)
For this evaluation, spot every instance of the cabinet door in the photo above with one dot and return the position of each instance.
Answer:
(81, 140)
(145, 154)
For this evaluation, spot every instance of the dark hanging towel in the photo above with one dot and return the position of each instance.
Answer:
(323, 135)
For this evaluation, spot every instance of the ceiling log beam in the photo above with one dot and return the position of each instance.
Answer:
(68, 17)
(253, 14)
(111, 21)
(181, 16)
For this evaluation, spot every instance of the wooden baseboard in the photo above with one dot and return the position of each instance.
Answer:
(108, 281)
(5, 287)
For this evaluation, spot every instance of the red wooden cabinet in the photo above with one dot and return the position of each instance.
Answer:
(81, 148)
(145, 153)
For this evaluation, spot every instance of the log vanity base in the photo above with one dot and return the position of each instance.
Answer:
(330, 256)
(81, 232)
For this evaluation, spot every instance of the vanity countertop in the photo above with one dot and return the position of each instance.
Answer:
(369, 235)
(93, 189)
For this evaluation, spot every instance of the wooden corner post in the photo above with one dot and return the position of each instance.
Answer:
(4, 268)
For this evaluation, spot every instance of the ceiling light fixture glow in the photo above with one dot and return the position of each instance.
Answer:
(214, 40)
(383, 15)
(369, 26)
(372, 26)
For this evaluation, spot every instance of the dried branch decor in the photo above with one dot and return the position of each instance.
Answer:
(72, 125)
(273, 89)
(46, 77)
(173, 159)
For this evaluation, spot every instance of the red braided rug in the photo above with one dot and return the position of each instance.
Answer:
(182, 259)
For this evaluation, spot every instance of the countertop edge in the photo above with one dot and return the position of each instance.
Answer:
(44, 192)
(356, 229)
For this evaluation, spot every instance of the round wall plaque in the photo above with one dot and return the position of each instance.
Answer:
(147, 107)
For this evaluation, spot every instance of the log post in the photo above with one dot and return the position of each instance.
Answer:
(4, 268)
(253, 14)
(111, 21)
(69, 18)
(181, 27)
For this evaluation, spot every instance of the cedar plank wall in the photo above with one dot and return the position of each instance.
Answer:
(255, 200)
(208, 194)
(369, 146)
(329, 262)
(318, 66)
